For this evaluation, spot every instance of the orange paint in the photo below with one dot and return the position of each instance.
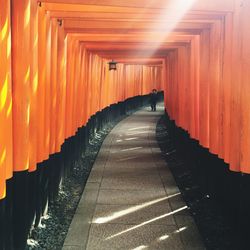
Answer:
(54, 75)
(33, 125)
(41, 84)
(53, 86)
(61, 89)
(21, 82)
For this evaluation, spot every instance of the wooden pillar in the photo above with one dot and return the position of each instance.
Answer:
(204, 88)
(61, 88)
(41, 83)
(236, 88)
(6, 147)
(226, 92)
(21, 117)
(47, 105)
(21, 82)
(215, 86)
(53, 85)
(33, 125)
(245, 89)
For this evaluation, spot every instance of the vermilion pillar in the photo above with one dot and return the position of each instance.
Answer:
(6, 160)
(21, 82)
(47, 104)
(204, 88)
(53, 85)
(61, 88)
(41, 83)
(245, 91)
(33, 124)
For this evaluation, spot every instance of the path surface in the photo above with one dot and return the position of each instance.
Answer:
(131, 200)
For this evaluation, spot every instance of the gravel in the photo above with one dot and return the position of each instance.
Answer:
(52, 231)
(213, 225)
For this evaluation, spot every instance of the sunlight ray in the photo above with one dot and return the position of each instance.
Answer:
(147, 222)
(131, 210)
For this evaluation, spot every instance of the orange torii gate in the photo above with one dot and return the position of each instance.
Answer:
(53, 78)
(54, 74)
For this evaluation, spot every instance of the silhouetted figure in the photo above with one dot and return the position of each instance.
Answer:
(153, 99)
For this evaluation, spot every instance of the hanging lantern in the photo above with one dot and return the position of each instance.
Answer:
(112, 65)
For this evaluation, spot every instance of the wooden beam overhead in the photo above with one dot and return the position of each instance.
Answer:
(141, 17)
(212, 5)
(145, 61)
(100, 46)
(133, 53)
(141, 26)
(157, 37)
(130, 29)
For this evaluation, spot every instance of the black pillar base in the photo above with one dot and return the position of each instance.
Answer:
(20, 208)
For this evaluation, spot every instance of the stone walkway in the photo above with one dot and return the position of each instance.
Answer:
(131, 200)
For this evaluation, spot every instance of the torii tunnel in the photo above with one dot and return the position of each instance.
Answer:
(54, 77)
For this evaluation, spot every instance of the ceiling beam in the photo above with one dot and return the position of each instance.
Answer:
(156, 37)
(97, 46)
(212, 5)
(140, 17)
(142, 26)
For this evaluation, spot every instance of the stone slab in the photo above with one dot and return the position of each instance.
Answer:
(124, 237)
(129, 197)
(131, 200)
(158, 213)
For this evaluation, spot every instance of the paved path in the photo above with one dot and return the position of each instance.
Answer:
(131, 200)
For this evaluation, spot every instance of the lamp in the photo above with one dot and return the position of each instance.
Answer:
(112, 65)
